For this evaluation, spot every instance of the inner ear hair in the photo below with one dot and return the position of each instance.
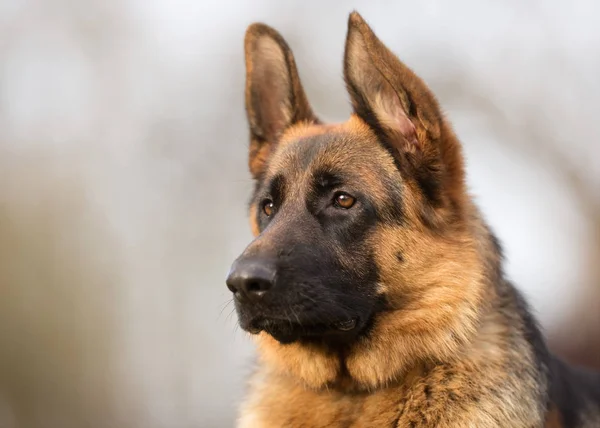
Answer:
(270, 89)
(384, 91)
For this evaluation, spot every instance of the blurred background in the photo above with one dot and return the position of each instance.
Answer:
(123, 183)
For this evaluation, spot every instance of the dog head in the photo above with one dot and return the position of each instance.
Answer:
(364, 259)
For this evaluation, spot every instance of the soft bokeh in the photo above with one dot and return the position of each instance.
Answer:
(123, 183)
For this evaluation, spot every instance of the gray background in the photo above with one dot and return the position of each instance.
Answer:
(123, 183)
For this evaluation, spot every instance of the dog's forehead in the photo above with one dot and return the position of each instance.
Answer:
(350, 148)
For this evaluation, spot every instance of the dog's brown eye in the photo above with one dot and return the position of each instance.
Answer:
(344, 200)
(268, 208)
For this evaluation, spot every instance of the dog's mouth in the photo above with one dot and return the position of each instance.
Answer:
(288, 331)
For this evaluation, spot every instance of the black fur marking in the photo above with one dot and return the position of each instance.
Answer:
(277, 189)
(257, 185)
(533, 336)
(573, 391)
(429, 177)
(497, 246)
(325, 181)
(427, 392)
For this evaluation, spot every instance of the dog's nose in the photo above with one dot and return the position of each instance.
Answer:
(251, 279)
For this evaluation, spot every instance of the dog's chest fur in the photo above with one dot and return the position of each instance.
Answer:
(461, 395)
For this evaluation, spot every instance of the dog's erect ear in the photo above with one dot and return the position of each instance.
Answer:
(275, 99)
(386, 93)
(399, 106)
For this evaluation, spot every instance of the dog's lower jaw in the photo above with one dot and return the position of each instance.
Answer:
(337, 334)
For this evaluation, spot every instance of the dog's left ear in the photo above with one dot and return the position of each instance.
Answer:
(399, 106)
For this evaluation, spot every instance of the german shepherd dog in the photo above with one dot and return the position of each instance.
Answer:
(373, 287)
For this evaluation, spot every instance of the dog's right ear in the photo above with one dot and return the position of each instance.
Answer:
(275, 99)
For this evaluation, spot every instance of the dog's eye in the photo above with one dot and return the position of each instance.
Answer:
(268, 207)
(344, 200)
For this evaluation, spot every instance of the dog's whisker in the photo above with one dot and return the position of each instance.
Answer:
(229, 302)
(228, 318)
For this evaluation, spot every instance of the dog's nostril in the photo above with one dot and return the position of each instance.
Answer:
(253, 286)
(256, 287)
